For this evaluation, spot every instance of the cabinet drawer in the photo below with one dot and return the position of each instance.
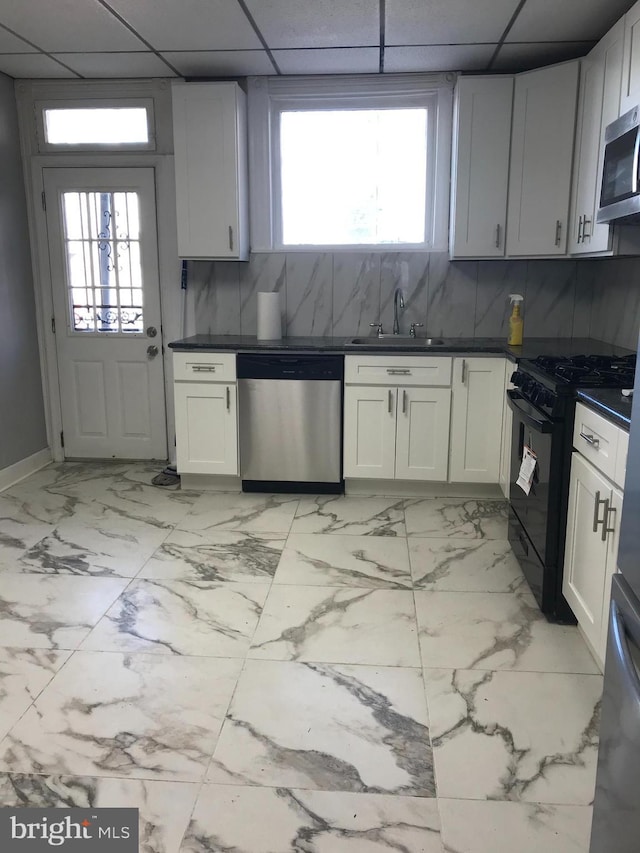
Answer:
(621, 458)
(397, 370)
(204, 366)
(597, 439)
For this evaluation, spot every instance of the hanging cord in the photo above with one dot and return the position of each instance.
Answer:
(169, 476)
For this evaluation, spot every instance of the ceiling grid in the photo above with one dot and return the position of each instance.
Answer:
(235, 38)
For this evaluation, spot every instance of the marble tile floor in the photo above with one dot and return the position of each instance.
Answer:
(278, 673)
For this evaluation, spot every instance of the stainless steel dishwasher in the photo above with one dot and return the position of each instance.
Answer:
(290, 413)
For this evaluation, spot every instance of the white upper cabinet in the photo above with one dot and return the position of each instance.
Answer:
(598, 106)
(630, 90)
(480, 173)
(544, 115)
(209, 132)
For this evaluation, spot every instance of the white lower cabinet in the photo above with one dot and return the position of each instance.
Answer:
(206, 414)
(396, 433)
(447, 430)
(593, 523)
(476, 420)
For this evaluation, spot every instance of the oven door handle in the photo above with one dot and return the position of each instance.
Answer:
(538, 424)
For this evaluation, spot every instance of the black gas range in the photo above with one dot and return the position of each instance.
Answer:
(543, 405)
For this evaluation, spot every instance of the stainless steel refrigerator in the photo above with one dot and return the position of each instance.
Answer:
(616, 811)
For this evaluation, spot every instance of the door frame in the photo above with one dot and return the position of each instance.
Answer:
(168, 267)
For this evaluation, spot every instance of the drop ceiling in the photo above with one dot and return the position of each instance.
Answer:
(231, 38)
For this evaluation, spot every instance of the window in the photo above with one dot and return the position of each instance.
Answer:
(102, 124)
(350, 162)
(104, 267)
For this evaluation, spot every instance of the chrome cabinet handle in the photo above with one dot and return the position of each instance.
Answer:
(228, 399)
(498, 236)
(584, 229)
(596, 512)
(590, 439)
(230, 238)
(605, 521)
(464, 371)
(580, 223)
(404, 402)
(398, 371)
(390, 407)
(203, 368)
(558, 232)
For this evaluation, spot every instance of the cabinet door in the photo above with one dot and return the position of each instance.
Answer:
(585, 552)
(614, 515)
(476, 420)
(507, 425)
(422, 436)
(206, 428)
(369, 432)
(480, 179)
(544, 115)
(630, 90)
(600, 78)
(210, 167)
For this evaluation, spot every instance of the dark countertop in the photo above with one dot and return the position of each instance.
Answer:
(610, 403)
(530, 349)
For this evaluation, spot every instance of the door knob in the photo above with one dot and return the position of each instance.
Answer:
(151, 331)
(152, 351)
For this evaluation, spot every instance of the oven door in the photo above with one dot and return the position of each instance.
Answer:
(533, 429)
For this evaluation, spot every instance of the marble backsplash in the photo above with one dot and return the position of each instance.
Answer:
(615, 307)
(340, 294)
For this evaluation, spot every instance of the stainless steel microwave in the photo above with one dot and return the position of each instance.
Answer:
(620, 192)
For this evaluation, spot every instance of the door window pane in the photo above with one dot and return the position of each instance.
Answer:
(353, 176)
(102, 249)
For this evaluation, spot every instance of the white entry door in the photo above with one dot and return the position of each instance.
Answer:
(104, 269)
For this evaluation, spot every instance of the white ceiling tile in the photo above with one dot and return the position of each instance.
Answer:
(212, 63)
(439, 57)
(447, 21)
(523, 57)
(569, 20)
(178, 25)
(32, 65)
(11, 44)
(66, 25)
(141, 64)
(347, 60)
(321, 23)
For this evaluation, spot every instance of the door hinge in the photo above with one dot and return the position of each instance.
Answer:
(62, 439)
(53, 325)
(44, 200)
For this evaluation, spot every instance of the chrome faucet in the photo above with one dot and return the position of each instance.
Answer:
(396, 323)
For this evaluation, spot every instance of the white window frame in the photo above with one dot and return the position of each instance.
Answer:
(270, 96)
(94, 103)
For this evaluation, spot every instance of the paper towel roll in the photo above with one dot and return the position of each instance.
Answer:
(269, 318)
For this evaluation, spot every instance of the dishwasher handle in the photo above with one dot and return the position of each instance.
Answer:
(307, 366)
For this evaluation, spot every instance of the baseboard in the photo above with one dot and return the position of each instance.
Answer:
(24, 468)
(210, 483)
(415, 488)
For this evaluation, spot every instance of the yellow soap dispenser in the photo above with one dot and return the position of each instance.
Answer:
(515, 320)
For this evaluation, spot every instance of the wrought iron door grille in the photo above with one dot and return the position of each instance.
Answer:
(103, 261)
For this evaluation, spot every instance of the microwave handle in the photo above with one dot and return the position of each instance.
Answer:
(636, 154)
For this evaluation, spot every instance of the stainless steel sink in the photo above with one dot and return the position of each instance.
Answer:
(397, 340)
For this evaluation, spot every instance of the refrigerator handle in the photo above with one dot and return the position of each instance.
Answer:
(621, 650)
